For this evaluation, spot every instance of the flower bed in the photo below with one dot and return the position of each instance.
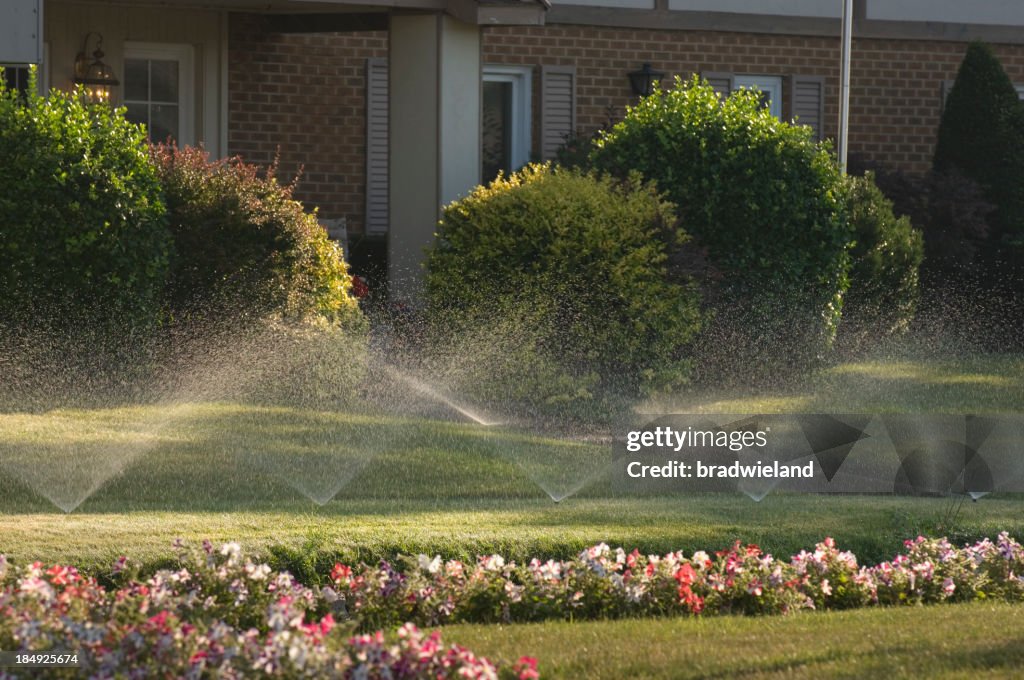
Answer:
(603, 583)
(222, 614)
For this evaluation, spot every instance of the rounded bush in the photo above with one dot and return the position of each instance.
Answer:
(760, 195)
(83, 238)
(886, 259)
(562, 282)
(251, 266)
(241, 239)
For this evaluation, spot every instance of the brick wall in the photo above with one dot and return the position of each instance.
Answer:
(895, 93)
(305, 95)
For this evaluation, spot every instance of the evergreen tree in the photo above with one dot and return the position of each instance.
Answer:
(981, 134)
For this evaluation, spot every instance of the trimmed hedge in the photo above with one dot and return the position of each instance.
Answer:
(241, 238)
(83, 237)
(886, 259)
(561, 281)
(252, 270)
(762, 196)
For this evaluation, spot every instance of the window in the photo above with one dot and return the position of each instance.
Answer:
(16, 75)
(158, 90)
(1020, 91)
(505, 128)
(804, 95)
(770, 87)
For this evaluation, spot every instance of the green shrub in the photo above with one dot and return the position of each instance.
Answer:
(253, 269)
(886, 259)
(761, 195)
(240, 237)
(981, 134)
(83, 239)
(560, 280)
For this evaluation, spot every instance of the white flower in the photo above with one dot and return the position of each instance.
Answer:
(431, 566)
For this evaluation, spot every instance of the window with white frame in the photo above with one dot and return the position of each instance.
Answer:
(505, 128)
(158, 90)
(770, 88)
(16, 76)
(1020, 91)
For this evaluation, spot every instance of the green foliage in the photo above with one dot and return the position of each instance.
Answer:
(240, 238)
(561, 280)
(83, 238)
(761, 196)
(886, 258)
(982, 135)
(247, 255)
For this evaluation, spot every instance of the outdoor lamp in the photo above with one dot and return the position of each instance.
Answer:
(97, 77)
(644, 80)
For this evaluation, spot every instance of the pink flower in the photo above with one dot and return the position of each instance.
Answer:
(526, 668)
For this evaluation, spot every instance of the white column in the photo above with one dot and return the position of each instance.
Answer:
(434, 143)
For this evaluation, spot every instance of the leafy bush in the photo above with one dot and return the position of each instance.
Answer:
(83, 238)
(886, 258)
(249, 261)
(240, 237)
(981, 134)
(561, 280)
(761, 196)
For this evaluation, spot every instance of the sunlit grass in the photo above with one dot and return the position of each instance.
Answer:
(371, 485)
(939, 641)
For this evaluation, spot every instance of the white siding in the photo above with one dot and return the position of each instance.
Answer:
(793, 8)
(995, 12)
(20, 27)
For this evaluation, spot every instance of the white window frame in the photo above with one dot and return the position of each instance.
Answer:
(184, 54)
(521, 78)
(1020, 91)
(769, 85)
(42, 71)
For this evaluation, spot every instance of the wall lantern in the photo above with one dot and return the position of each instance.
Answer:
(644, 80)
(97, 78)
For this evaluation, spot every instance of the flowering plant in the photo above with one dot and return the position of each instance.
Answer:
(221, 614)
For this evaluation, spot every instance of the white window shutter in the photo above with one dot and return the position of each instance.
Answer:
(807, 102)
(720, 82)
(377, 217)
(557, 108)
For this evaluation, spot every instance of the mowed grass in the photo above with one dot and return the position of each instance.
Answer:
(369, 486)
(972, 384)
(306, 487)
(939, 641)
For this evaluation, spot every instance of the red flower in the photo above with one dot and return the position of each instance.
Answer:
(59, 576)
(693, 601)
(685, 574)
(341, 573)
(526, 668)
(359, 287)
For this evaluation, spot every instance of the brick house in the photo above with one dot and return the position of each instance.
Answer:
(394, 107)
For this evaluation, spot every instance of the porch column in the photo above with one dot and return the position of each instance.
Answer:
(434, 135)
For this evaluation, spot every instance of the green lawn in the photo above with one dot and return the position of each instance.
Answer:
(940, 641)
(299, 484)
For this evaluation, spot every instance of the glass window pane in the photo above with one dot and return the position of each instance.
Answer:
(497, 129)
(165, 81)
(164, 122)
(136, 80)
(137, 113)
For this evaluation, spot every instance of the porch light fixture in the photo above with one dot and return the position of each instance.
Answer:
(644, 80)
(97, 78)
